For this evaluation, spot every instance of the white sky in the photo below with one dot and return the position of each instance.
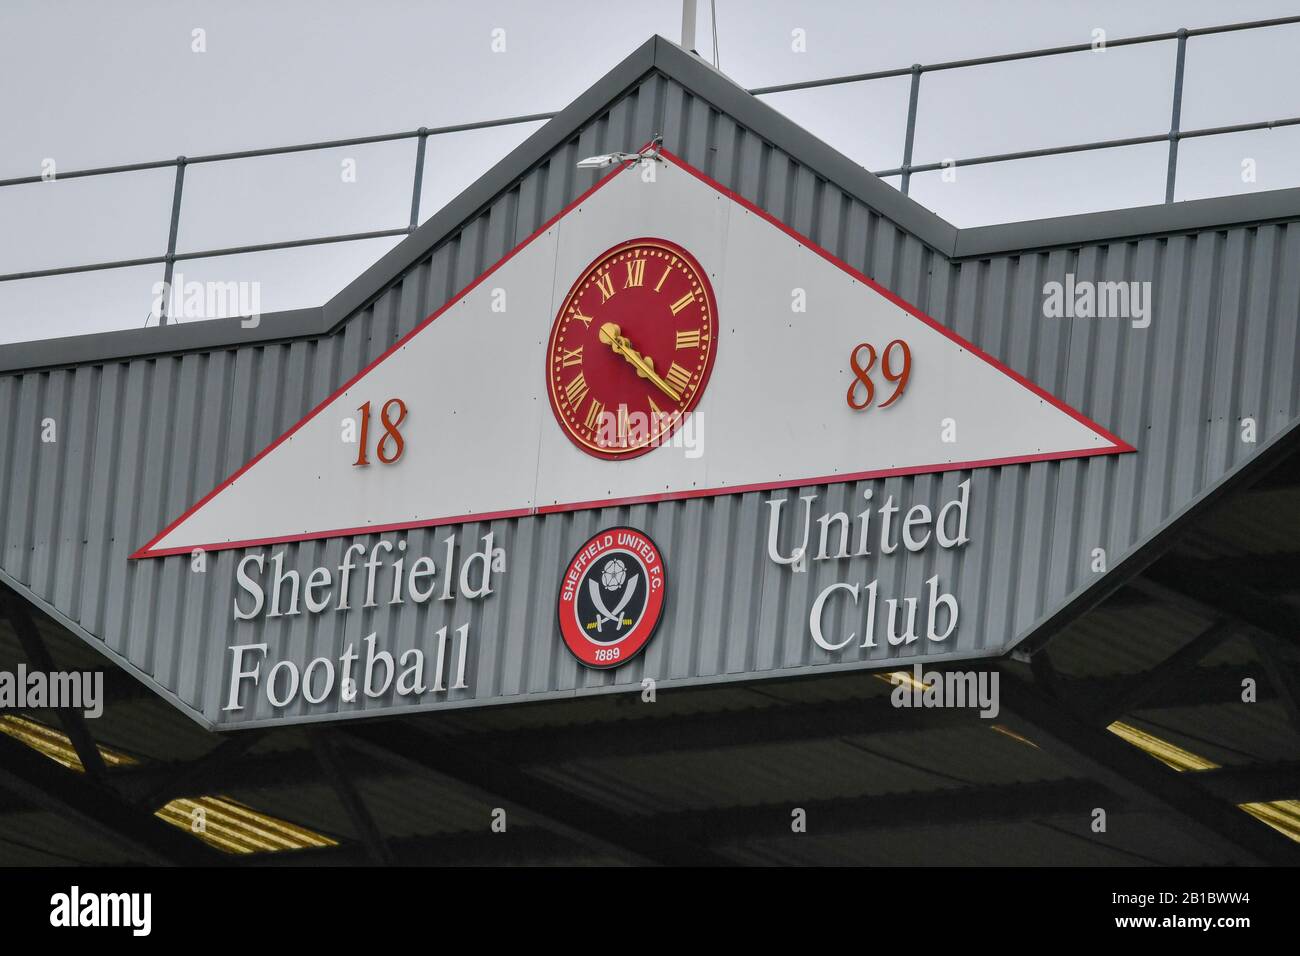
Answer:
(88, 83)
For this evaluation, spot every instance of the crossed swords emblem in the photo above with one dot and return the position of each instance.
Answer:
(615, 615)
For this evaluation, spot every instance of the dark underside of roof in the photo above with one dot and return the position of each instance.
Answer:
(1158, 663)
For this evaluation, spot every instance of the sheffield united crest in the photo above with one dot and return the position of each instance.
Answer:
(611, 597)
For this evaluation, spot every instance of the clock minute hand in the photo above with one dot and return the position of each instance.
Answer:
(611, 335)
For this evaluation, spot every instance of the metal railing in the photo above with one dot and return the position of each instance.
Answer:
(1173, 136)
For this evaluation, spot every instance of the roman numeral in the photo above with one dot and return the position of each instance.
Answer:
(655, 410)
(622, 424)
(593, 414)
(683, 302)
(689, 339)
(678, 378)
(584, 319)
(606, 286)
(660, 284)
(576, 390)
(574, 356)
(635, 273)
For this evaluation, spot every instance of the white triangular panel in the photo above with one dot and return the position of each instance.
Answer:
(481, 441)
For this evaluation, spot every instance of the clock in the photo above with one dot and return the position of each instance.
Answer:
(631, 348)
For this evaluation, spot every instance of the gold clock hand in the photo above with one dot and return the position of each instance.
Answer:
(611, 335)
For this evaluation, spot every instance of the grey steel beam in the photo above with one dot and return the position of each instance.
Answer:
(1180, 61)
(74, 724)
(170, 261)
(909, 137)
(417, 180)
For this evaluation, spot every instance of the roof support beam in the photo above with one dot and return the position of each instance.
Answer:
(38, 655)
(45, 785)
(353, 805)
(1142, 687)
(1234, 836)
(1280, 677)
(191, 779)
(1233, 598)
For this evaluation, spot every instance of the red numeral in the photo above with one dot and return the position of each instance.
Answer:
(862, 391)
(899, 379)
(391, 435)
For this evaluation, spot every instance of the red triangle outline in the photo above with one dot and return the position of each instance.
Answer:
(1117, 445)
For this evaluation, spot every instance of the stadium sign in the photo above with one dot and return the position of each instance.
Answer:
(659, 357)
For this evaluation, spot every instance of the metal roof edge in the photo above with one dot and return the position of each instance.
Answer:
(124, 344)
(1146, 551)
(1131, 223)
(100, 647)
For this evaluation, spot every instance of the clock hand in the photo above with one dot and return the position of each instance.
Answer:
(611, 335)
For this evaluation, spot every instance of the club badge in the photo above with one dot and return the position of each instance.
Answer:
(611, 597)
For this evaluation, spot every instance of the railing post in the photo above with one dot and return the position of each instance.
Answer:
(419, 178)
(911, 126)
(1177, 117)
(170, 264)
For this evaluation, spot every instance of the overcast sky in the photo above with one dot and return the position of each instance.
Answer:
(88, 83)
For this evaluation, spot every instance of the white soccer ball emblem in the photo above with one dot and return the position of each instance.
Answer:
(613, 574)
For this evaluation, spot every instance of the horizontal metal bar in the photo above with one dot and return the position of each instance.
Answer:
(89, 267)
(1022, 55)
(207, 254)
(1100, 144)
(1029, 154)
(96, 171)
(367, 140)
(291, 244)
(281, 150)
(1239, 127)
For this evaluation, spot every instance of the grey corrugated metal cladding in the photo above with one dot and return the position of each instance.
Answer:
(140, 441)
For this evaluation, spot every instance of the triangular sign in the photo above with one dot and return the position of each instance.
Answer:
(769, 363)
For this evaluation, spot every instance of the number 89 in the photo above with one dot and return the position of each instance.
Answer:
(862, 391)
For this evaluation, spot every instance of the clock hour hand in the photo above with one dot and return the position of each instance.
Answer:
(611, 335)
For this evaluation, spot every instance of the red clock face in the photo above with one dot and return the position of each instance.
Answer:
(632, 348)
